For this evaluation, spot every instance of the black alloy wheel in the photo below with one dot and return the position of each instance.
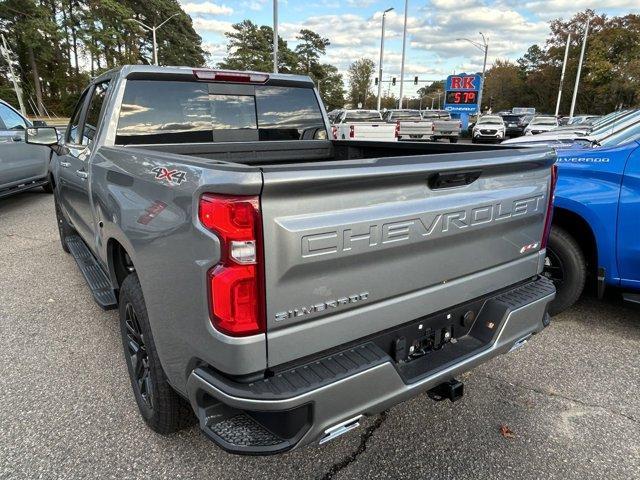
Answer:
(137, 351)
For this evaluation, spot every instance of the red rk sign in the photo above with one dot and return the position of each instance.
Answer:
(463, 83)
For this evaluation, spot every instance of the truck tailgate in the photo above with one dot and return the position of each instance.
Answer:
(356, 247)
(415, 127)
(374, 131)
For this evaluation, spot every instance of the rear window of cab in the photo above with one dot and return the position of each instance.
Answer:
(160, 112)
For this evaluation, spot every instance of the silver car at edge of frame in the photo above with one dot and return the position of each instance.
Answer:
(23, 166)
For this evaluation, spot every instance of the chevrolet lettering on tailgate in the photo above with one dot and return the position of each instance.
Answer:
(344, 239)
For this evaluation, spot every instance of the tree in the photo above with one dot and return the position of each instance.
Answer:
(309, 49)
(360, 74)
(251, 48)
(504, 84)
(331, 87)
(51, 38)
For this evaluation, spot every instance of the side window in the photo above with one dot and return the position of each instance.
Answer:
(73, 130)
(11, 120)
(92, 121)
(288, 113)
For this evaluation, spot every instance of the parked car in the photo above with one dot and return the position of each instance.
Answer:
(515, 123)
(413, 125)
(569, 137)
(540, 124)
(22, 166)
(612, 119)
(582, 119)
(444, 127)
(595, 222)
(223, 229)
(393, 116)
(409, 124)
(488, 128)
(362, 125)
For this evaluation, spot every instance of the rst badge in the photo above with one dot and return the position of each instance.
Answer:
(172, 176)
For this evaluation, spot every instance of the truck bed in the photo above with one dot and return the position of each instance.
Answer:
(274, 153)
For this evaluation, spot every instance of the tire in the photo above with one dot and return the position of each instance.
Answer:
(566, 266)
(453, 140)
(159, 404)
(64, 229)
(473, 140)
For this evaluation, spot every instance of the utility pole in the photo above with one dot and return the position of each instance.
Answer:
(564, 68)
(575, 88)
(275, 36)
(381, 56)
(404, 48)
(153, 34)
(6, 53)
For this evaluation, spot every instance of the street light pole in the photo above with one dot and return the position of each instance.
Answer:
(483, 47)
(153, 34)
(564, 67)
(404, 47)
(275, 36)
(575, 88)
(484, 68)
(381, 57)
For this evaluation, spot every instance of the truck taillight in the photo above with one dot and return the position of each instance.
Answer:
(549, 214)
(352, 131)
(397, 129)
(236, 292)
(334, 132)
(433, 127)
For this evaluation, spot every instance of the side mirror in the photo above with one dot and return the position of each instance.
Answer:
(39, 123)
(47, 136)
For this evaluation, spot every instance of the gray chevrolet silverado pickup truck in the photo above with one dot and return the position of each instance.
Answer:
(278, 283)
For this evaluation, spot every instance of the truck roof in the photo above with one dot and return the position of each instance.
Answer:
(180, 72)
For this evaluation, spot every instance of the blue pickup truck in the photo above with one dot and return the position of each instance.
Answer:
(596, 222)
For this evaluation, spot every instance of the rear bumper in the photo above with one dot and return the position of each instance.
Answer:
(297, 406)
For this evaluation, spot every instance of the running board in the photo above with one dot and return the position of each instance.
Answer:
(23, 187)
(98, 281)
(631, 298)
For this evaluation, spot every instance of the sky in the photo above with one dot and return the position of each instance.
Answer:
(433, 28)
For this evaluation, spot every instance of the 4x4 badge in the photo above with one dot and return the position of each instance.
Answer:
(173, 176)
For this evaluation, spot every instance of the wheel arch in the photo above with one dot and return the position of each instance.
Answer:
(576, 226)
(119, 262)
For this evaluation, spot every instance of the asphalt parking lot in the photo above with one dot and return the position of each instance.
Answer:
(570, 398)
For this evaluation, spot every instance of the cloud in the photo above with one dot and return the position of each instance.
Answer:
(566, 8)
(211, 25)
(255, 5)
(360, 3)
(208, 8)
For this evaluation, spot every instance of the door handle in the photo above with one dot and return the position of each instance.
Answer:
(65, 164)
(82, 174)
(17, 138)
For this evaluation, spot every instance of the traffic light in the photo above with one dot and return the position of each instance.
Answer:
(415, 80)
(376, 81)
(393, 81)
